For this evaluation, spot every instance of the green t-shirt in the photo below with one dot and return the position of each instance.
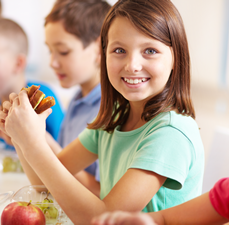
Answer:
(169, 145)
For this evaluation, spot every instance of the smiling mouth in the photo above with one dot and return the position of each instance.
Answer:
(135, 81)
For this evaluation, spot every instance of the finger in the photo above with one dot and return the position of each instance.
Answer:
(101, 220)
(16, 102)
(46, 113)
(114, 217)
(6, 106)
(3, 116)
(12, 96)
(2, 126)
(139, 219)
(23, 99)
(7, 139)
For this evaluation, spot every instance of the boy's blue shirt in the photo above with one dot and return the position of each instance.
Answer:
(53, 122)
(80, 112)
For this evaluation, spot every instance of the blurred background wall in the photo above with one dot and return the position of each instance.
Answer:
(207, 26)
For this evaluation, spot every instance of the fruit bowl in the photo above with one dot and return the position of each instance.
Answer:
(39, 196)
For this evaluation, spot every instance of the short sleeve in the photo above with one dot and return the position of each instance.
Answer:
(168, 152)
(89, 139)
(219, 197)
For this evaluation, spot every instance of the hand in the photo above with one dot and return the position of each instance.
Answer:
(6, 138)
(123, 218)
(6, 105)
(22, 124)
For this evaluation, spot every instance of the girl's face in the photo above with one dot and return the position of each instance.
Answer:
(72, 63)
(138, 66)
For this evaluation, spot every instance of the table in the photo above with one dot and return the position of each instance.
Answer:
(11, 182)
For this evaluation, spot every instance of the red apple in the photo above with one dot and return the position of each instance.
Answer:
(22, 213)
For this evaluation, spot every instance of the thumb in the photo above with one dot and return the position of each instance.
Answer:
(46, 113)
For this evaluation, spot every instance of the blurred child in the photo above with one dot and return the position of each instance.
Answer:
(13, 59)
(72, 33)
(211, 208)
(150, 152)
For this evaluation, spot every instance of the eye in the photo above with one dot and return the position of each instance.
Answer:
(119, 50)
(150, 51)
(64, 53)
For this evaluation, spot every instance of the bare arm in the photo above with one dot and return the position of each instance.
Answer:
(198, 211)
(89, 182)
(32, 176)
(56, 148)
(85, 178)
(81, 205)
(76, 200)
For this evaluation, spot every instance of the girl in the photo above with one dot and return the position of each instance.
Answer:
(149, 148)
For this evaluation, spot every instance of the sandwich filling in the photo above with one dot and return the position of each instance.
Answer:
(37, 101)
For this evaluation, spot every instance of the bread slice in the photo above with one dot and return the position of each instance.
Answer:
(45, 104)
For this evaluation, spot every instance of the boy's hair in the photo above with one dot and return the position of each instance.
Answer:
(14, 33)
(160, 20)
(82, 18)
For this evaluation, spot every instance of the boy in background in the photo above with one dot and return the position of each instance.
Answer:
(72, 34)
(13, 59)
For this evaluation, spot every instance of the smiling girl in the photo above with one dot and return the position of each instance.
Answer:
(148, 144)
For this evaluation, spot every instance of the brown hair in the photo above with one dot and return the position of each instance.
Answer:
(0, 8)
(160, 20)
(15, 34)
(82, 18)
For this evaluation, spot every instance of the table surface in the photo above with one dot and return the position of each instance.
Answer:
(11, 182)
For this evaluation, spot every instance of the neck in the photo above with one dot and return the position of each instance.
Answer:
(88, 86)
(18, 83)
(134, 120)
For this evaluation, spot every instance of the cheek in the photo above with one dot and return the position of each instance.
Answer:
(161, 70)
(5, 71)
(113, 66)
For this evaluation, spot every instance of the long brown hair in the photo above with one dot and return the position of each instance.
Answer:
(160, 20)
(82, 18)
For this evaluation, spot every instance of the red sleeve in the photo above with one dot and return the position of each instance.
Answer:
(219, 197)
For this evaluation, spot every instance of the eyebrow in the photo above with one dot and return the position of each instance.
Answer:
(155, 44)
(57, 43)
(116, 43)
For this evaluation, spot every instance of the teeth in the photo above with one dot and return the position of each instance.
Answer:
(135, 81)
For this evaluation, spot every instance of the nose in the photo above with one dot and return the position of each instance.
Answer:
(54, 63)
(133, 63)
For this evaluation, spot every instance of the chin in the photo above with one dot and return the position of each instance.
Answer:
(64, 85)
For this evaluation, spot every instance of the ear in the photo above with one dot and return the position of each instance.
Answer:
(21, 61)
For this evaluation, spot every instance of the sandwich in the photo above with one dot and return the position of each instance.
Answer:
(38, 100)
